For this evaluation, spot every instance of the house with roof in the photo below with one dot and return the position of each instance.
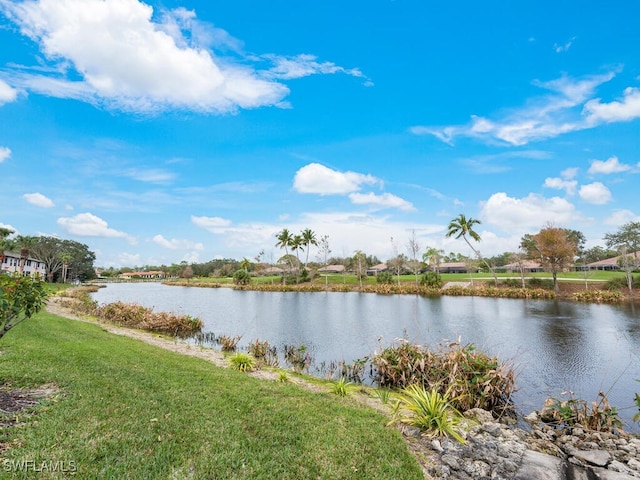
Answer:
(454, 267)
(11, 263)
(609, 263)
(527, 266)
(376, 269)
(332, 269)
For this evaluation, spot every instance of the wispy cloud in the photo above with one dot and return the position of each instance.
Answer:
(303, 65)
(7, 93)
(153, 175)
(568, 108)
(563, 47)
(385, 200)
(177, 244)
(5, 152)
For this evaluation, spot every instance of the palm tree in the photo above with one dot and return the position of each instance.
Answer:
(461, 226)
(25, 244)
(297, 243)
(308, 239)
(284, 241)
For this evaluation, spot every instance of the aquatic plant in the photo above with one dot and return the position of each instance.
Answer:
(264, 353)
(297, 357)
(227, 343)
(599, 416)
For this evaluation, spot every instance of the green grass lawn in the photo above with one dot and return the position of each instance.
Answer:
(125, 409)
(350, 279)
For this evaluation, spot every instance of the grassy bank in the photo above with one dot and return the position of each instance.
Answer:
(128, 410)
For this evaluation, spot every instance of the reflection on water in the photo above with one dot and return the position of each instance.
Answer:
(557, 346)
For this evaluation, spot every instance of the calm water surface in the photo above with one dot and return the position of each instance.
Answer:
(556, 346)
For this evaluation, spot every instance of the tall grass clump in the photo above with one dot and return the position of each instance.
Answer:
(297, 357)
(599, 416)
(137, 316)
(242, 361)
(470, 377)
(228, 343)
(598, 296)
(264, 353)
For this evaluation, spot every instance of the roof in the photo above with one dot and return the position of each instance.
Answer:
(610, 261)
(332, 268)
(524, 264)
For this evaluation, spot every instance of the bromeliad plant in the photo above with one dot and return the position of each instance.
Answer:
(341, 387)
(242, 361)
(428, 410)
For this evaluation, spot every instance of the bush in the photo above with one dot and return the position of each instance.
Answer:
(20, 298)
(384, 278)
(297, 357)
(470, 377)
(544, 283)
(511, 282)
(431, 279)
(620, 283)
(241, 277)
(598, 296)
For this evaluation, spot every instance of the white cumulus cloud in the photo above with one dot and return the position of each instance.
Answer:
(561, 184)
(595, 193)
(623, 110)
(89, 225)
(530, 212)
(316, 178)
(127, 61)
(611, 165)
(38, 199)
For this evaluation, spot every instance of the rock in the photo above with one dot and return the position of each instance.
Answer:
(539, 466)
(599, 458)
(634, 464)
(479, 415)
(532, 418)
(604, 474)
(477, 469)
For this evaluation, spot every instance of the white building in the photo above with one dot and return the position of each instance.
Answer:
(32, 266)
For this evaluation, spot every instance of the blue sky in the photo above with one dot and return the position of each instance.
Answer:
(167, 131)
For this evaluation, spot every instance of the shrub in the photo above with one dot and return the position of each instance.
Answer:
(283, 377)
(472, 378)
(598, 296)
(20, 298)
(243, 362)
(241, 277)
(429, 410)
(544, 283)
(511, 282)
(384, 278)
(431, 279)
(620, 283)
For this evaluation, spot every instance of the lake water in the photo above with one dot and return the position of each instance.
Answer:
(556, 346)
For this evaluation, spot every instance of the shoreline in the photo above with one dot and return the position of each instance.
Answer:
(493, 448)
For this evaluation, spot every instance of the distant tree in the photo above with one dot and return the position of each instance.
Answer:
(595, 254)
(461, 226)
(245, 264)
(433, 257)
(308, 239)
(627, 242)
(555, 249)
(50, 250)
(187, 273)
(519, 259)
(297, 244)
(397, 262)
(414, 248)
(360, 265)
(285, 238)
(324, 252)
